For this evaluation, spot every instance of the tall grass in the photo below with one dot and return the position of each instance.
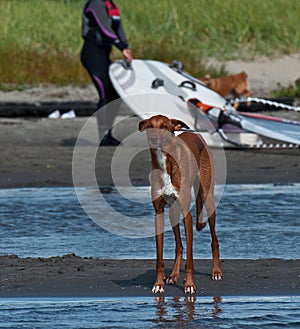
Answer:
(40, 40)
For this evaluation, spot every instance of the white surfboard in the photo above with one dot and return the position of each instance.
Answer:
(149, 76)
(151, 87)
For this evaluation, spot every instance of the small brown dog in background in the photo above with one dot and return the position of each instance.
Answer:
(234, 84)
(178, 165)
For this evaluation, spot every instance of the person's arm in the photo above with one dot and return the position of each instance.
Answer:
(126, 51)
(127, 54)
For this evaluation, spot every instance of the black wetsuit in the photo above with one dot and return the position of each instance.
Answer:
(101, 29)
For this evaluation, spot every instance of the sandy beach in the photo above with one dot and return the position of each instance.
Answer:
(38, 152)
(70, 276)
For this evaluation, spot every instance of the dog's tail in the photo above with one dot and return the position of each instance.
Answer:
(199, 220)
(199, 206)
(205, 195)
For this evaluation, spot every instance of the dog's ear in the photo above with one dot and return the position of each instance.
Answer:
(177, 124)
(244, 75)
(206, 79)
(142, 124)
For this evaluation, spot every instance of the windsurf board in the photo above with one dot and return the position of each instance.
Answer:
(151, 87)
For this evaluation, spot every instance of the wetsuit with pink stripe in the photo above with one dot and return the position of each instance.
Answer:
(101, 29)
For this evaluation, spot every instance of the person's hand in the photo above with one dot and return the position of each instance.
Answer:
(127, 54)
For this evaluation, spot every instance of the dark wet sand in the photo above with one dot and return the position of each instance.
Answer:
(71, 276)
(38, 152)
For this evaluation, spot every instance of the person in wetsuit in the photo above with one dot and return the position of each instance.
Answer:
(102, 29)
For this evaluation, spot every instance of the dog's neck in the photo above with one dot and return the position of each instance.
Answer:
(168, 188)
(161, 159)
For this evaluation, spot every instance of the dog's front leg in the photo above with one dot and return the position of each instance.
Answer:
(185, 201)
(159, 284)
(174, 213)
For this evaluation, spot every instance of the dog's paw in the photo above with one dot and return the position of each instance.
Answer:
(172, 279)
(170, 198)
(200, 225)
(158, 288)
(189, 289)
(217, 275)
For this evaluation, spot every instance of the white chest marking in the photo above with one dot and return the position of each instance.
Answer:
(167, 187)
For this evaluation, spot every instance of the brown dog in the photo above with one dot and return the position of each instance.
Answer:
(178, 164)
(235, 84)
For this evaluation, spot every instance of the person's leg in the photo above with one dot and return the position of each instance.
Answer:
(96, 61)
(113, 103)
(108, 116)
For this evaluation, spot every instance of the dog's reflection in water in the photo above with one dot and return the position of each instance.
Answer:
(183, 310)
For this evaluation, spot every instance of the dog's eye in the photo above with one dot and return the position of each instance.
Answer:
(165, 127)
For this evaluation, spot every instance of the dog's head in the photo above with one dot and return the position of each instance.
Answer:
(206, 79)
(242, 87)
(160, 129)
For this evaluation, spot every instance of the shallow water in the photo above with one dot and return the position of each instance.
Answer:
(262, 219)
(42, 222)
(200, 312)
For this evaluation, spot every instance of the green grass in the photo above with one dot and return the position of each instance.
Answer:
(40, 40)
(292, 90)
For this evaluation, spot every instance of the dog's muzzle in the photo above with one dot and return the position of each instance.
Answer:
(159, 138)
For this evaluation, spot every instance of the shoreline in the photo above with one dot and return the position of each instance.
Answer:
(38, 153)
(73, 276)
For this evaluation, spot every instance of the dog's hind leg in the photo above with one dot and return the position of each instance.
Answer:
(174, 213)
(207, 186)
(216, 273)
(190, 287)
